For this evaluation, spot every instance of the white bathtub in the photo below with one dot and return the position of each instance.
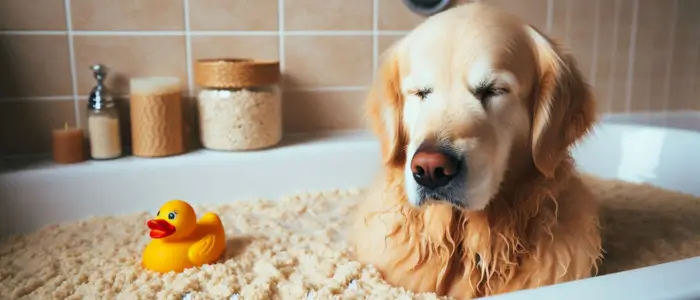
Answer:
(41, 193)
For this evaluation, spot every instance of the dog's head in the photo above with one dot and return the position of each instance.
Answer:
(470, 94)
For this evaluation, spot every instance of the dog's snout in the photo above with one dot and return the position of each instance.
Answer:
(433, 168)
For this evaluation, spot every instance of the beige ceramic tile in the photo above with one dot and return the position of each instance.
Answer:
(603, 83)
(319, 111)
(694, 94)
(394, 15)
(683, 92)
(233, 14)
(32, 15)
(619, 50)
(572, 27)
(255, 47)
(32, 123)
(652, 48)
(129, 56)
(321, 61)
(34, 65)
(327, 15)
(531, 11)
(385, 41)
(561, 20)
(127, 15)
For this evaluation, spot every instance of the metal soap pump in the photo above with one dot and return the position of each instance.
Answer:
(103, 119)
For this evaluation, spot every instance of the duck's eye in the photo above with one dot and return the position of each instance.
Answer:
(171, 216)
(158, 213)
(423, 93)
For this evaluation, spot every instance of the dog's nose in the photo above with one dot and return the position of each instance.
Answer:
(433, 168)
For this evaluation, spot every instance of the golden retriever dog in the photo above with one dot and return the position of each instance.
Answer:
(476, 112)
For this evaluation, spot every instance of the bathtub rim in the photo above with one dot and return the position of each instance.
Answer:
(663, 281)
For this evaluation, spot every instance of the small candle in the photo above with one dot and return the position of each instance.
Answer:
(68, 145)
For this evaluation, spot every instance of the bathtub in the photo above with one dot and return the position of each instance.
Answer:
(36, 193)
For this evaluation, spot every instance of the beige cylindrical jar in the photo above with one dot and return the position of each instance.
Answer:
(156, 116)
(240, 106)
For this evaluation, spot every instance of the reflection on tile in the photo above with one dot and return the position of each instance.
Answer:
(127, 15)
(32, 15)
(320, 111)
(129, 56)
(328, 15)
(32, 123)
(233, 14)
(573, 29)
(619, 51)
(653, 46)
(322, 61)
(685, 66)
(28, 68)
(561, 16)
(603, 81)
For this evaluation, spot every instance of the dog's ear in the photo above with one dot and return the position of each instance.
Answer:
(385, 109)
(564, 108)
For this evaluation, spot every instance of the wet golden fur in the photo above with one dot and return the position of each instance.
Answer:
(540, 225)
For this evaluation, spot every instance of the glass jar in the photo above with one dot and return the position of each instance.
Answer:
(240, 105)
(104, 134)
(103, 120)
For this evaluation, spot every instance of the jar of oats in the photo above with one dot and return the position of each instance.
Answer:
(240, 105)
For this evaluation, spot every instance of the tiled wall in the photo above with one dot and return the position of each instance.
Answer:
(639, 54)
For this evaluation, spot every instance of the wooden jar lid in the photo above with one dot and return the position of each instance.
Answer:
(236, 73)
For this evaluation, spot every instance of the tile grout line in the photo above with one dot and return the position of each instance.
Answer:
(280, 30)
(71, 61)
(234, 33)
(630, 58)
(331, 89)
(38, 98)
(208, 32)
(129, 33)
(613, 67)
(188, 49)
(340, 88)
(328, 32)
(392, 32)
(375, 37)
(596, 36)
(33, 32)
(669, 64)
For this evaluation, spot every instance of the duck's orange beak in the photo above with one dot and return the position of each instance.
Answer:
(160, 228)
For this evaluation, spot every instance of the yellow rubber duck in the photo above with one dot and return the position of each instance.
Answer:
(179, 241)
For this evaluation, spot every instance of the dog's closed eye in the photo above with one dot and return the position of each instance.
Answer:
(423, 93)
(487, 90)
